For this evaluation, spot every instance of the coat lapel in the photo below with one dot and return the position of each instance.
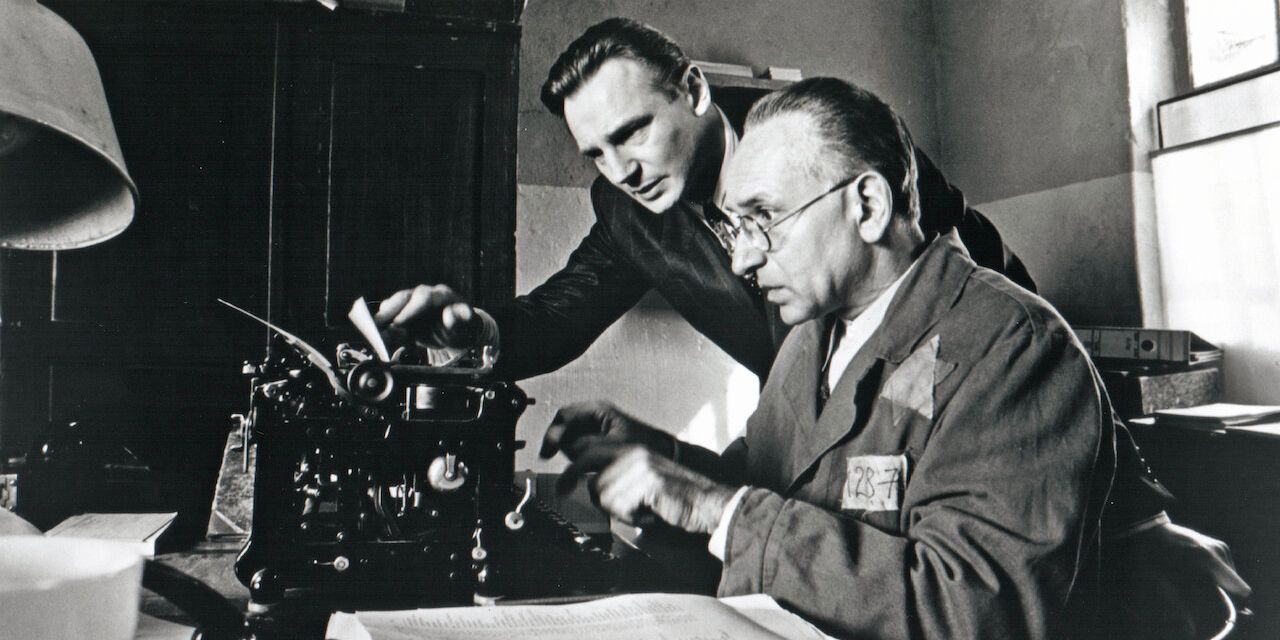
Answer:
(840, 415)
(789, 398)
(700, 284)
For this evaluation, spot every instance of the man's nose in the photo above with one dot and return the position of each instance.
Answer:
(746, 258)
(620, 169)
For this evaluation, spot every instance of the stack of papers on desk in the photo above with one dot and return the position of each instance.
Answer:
(1219, 415)
(140, 530)
(629, 617)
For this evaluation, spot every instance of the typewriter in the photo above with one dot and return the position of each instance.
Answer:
(389, 483)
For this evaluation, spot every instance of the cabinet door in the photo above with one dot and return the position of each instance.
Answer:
(395, 164)
(130, 331)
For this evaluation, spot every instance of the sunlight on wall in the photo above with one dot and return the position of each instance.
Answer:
(651, 363)
(708, 430)
(1218, 228)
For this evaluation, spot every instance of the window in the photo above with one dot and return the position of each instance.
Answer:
(1217, 203)
(1229, 37)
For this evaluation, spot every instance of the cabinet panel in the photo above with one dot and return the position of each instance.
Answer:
(404, 205)
(395, 166)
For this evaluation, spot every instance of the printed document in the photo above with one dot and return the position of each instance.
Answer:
(628, 617)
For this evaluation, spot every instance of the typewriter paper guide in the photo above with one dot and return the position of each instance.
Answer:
(313, 355)
(362, 320)
(629, 617)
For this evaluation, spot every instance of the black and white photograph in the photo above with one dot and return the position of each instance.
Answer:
(639, 319)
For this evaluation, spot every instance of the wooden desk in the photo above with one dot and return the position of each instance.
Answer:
(669, 562)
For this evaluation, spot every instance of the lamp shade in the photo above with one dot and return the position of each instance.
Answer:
(63, 182)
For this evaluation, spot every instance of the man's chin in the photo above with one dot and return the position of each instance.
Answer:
(660, 204)
(793, 316)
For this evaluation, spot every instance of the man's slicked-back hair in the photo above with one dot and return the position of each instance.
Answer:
(858, 132)
(613, 38)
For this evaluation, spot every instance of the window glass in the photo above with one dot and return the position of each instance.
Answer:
(1218, 232)
(1229, 37)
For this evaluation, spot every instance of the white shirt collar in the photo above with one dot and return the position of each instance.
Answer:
(858, 330)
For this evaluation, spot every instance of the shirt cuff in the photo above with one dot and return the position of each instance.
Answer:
(488, 330)
(488, 337)
(720, 537)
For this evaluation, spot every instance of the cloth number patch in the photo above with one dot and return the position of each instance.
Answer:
(874, 483)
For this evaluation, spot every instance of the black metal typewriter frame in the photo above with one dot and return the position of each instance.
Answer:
(328, 532)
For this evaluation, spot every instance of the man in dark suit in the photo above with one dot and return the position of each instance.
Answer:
(644, 114)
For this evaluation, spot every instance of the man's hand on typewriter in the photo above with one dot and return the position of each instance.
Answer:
(579, 427)
(636, 484)
(434, 315)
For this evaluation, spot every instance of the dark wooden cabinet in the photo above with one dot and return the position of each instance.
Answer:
(289, 159)
(1224, 485)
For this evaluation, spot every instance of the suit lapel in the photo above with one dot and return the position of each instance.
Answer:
(802, 374)
(686, 235)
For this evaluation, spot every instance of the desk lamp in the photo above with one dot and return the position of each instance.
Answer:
(63, 183)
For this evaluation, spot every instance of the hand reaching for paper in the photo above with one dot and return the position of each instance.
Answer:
(434, 316)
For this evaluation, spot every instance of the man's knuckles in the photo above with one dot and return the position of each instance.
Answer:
(640, 459)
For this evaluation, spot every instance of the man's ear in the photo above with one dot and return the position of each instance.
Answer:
(697, 88)
(875, 214)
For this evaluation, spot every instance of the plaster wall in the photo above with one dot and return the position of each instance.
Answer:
(651, 363)
(1076, 242)
(1031, 94)
(1044, 112)
(886, 47)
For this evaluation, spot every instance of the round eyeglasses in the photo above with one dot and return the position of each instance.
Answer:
(757, 233)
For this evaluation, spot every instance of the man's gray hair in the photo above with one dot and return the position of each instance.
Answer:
(857, 128)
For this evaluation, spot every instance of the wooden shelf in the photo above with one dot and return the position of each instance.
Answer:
(767, 84)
